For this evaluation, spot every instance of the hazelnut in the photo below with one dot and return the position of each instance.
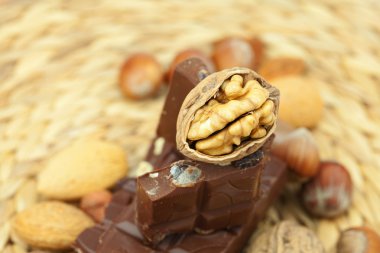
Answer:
(95, 203)
(359, 240)
(186, 54)
(140, 76)
(299, 150)
(301, 103)
(329, 193)
(283, 128)
(258, 47)
(234, 52)
(282, 66)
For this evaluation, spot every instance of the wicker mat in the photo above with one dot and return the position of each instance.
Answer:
(58, 81)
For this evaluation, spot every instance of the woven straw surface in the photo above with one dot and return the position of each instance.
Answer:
(59, 62)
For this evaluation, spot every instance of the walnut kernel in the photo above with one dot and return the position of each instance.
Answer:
(227, 116)
(238, 111)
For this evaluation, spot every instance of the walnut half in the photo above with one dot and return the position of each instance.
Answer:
(286, 237)
(227, 116)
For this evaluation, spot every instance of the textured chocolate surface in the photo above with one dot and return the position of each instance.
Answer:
(222, 196)
(120, 231)
(189, 195)
(186, 76)
(120, 234)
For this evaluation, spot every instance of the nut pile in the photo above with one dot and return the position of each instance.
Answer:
(326, 189)
(141, 76)
(79, 172)
(232, 114)
(242, 110)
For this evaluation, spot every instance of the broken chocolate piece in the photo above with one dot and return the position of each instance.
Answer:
(120, 233)
(168, 155)
(222, 196)
(187, 75)
(189, 195)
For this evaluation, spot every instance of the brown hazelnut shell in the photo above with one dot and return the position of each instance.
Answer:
(200, 95)
(359, 240)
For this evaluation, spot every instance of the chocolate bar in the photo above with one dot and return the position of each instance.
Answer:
(120, 234)
(221, 197)
(189, 195)
(186, 76)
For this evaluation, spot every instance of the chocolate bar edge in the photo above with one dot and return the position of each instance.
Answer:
(237, 242)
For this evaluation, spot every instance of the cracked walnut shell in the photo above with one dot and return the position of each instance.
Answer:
(227, 116)
(286, 237)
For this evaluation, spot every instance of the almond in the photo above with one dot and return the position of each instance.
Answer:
(81, 168)
(282, 66)
(301, 103)
(50, 225)
(95, 203)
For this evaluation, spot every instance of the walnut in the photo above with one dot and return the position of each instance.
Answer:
(228, 115)
(286, 237)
